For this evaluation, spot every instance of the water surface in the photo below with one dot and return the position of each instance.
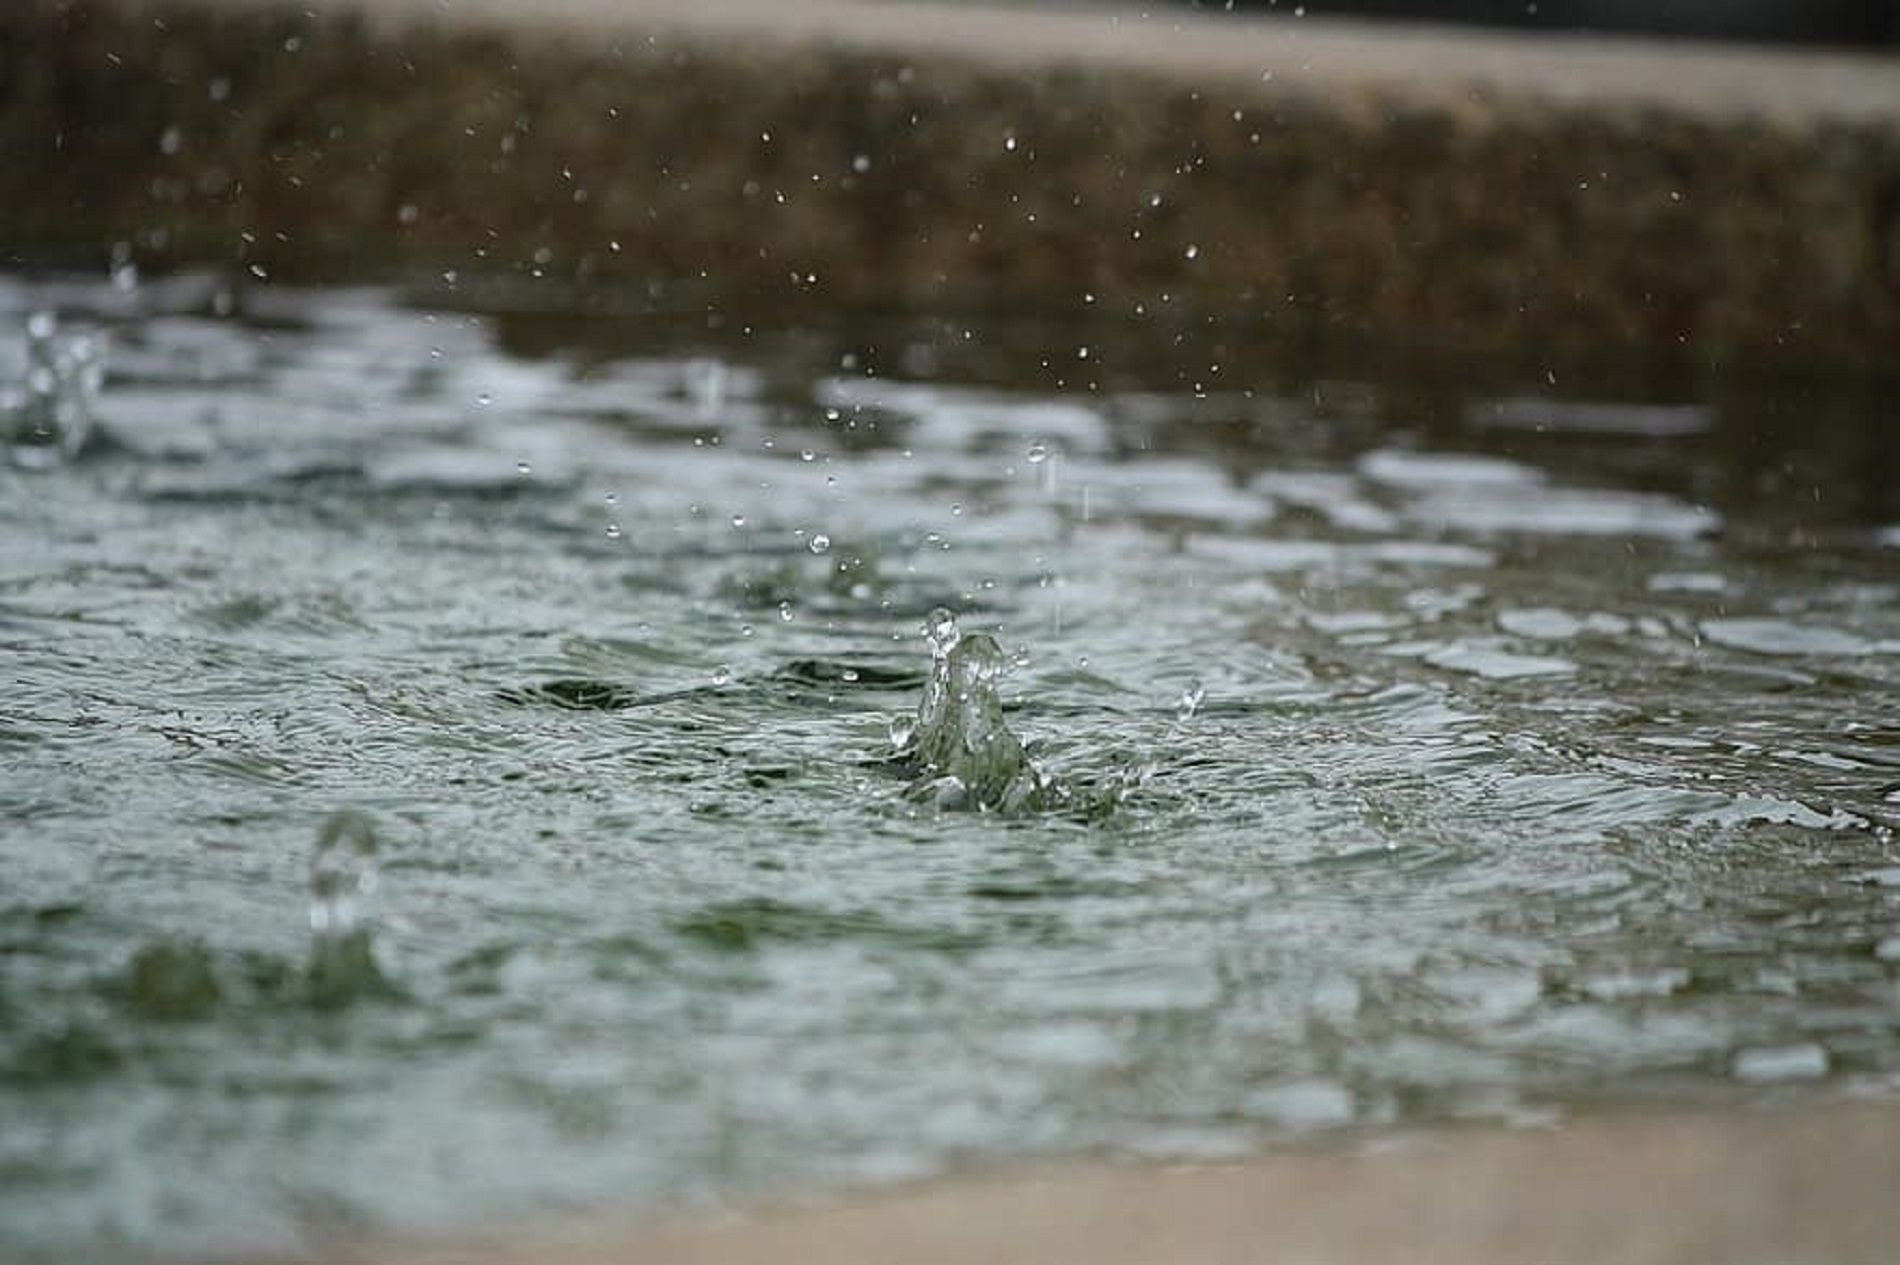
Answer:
(1472, 750)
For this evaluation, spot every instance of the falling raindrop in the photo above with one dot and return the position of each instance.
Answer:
(785, 612)
(819, 543)
(722, 674)
(1038, 453)
(1190, 703)
(523, 469)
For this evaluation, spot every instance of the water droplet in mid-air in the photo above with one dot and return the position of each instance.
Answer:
(1038, 453)
(785, 612)
(941, 631)
(722, 674)
(1191, 696)
(819, 543)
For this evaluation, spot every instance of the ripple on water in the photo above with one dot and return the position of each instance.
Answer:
(1781, 637)
(1774, 1064)
(1487, 658)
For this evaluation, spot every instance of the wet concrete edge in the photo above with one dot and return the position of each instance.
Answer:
(1379, 189)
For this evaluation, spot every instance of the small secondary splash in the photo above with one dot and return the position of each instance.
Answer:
(343, 876)
(47, 417)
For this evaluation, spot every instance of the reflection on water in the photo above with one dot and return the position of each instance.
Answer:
(1477, 752)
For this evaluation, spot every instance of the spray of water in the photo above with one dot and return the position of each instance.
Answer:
(47, 417)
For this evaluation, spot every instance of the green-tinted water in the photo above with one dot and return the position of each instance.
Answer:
(1434, 755)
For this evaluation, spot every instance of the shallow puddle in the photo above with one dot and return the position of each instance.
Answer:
(1436, 754)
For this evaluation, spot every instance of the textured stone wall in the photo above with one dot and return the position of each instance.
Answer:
(802, 170)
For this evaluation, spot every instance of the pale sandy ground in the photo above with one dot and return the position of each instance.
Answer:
(1398, 62)
(1781, 1187)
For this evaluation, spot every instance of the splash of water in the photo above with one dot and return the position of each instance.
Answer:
(342, 873)
(343, 876)
(46, 418)
(963, 748)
